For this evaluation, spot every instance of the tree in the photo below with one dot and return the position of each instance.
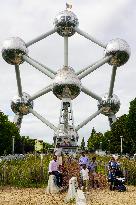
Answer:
(83, 144)
(7, 131)
(27, 144)
(106, 141)
(131, 125)
(94, 140)
(90, 145)
(119, 129)
(23, 144)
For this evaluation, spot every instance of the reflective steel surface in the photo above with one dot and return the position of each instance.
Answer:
(110, 105)
(21, 105)
(65, 22)
(66, 84)
(13, 49)
(120, 51)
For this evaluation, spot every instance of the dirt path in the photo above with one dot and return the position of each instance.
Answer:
(13, 196)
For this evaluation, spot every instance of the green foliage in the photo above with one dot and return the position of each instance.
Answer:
(106, 141)
(111, 142)
(130, 169)
(131, 125)
(23, 144)
(29, 172)
(7, 130)
(83, 144)
(119, 129)
(125, 126)
(27, 145)
(94, 140)
(47, 146)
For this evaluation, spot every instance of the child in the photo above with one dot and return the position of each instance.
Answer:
(85, 177)
(112, 179)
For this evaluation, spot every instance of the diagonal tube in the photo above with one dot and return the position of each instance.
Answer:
(84, 69)
(37, 66)
(94, 67)
(18, 80)
(49, 69)
(112, 81)
(88, 92)
(65, 51)
(41, 92)
(39, 38)
(88, 119)
(89, 37)
(43, 119)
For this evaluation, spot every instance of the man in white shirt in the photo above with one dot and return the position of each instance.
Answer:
(54, 169)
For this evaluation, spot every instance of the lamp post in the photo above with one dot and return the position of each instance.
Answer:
(100, 146)
(109, 146)
(121, 148)
(13, 144)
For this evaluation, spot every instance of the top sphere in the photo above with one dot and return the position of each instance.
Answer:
(65, 22)
(120, 51)
(66, 84)
(13, 49)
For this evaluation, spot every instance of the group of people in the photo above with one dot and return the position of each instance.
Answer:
(87, 170)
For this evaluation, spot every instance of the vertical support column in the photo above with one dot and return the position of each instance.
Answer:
(72, 115)
(18, 80)
(65, 115)
(65, 51)
(112, 81)
(112, 119)
(18, 120)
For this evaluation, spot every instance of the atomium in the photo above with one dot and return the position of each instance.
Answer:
(110, 105)
(21, 105)
(65, 22)
(13, 49)
(120, 51)
(66, 82)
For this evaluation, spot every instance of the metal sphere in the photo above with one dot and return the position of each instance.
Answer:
(66, 84)
(65, 22)
(111, 105)
(21, 105)
(120, 51)
(13, 49)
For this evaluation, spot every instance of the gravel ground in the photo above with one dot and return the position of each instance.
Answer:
(14, 196)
